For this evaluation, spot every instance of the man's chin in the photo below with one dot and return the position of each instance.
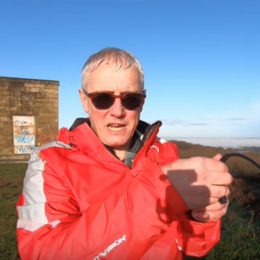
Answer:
(118, 145)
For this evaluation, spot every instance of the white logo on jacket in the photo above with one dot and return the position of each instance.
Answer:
(111, 247)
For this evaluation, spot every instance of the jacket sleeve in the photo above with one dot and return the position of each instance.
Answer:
(184, 235)
(191, 237)
(197, 238)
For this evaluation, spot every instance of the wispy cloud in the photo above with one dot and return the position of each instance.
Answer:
(185, 123)
(202, 121)
(197, 124)
(236, 119)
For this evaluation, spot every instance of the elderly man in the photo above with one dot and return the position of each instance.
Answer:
(110, 188)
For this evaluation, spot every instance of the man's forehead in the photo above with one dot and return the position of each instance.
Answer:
(111, 78)
(109, 63)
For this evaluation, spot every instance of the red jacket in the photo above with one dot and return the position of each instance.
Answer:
(80, 202)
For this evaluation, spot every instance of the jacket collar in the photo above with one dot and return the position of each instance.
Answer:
(81, 137)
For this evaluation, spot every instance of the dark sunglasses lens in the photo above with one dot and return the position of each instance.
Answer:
(131, 101)
(103, 100)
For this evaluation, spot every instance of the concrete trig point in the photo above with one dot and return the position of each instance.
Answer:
(28, 116)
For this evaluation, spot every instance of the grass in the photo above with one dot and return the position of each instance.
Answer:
(240, 238)
(11, 178)
(240, 230)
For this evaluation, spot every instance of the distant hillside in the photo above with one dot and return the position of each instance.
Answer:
(237, 165)
(187, 145)
(253, 149)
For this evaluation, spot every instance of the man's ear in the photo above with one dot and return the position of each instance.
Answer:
(84, 100)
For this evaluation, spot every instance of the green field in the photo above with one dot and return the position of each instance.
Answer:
(11, 179)
(240, 229)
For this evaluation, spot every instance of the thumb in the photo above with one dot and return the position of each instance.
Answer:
(218, 156)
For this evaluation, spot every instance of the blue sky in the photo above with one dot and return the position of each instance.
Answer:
(201, 59)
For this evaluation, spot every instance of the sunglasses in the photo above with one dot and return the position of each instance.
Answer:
(105, 100)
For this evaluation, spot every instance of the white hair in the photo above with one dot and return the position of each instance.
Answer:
(120, 58)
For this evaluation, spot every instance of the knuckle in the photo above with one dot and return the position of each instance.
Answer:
(199, 161)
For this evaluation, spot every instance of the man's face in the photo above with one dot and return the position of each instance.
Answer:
(116, 125)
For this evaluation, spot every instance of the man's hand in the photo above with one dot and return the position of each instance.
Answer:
(210, 213)
(201, 182)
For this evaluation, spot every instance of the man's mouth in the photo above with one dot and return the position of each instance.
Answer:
(116, 127)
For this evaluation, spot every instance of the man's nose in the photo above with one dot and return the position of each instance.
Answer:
(117, 108)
